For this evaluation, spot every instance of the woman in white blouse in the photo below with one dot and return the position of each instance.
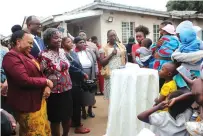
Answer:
(89, 64)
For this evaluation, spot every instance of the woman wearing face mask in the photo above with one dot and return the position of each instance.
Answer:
(77, 77)
(112, 56)
(141, 33)
(55, 66)
(28, 88)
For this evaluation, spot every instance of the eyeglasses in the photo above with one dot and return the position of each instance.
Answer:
(37, 24)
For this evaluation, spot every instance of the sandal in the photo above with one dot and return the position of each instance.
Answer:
(82, 130)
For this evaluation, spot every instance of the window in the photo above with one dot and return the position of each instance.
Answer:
(127, 31)
(155, 33)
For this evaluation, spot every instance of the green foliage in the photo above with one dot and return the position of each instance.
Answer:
(185, 6)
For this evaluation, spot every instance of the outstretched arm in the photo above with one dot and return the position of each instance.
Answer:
(144, 116)
(160, 99)
(189, 81)
(185, 96)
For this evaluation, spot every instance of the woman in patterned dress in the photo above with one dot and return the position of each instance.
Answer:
(112, 56)
(55, 66)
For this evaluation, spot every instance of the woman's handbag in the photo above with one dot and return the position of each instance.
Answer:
(90, 86)
(105, 71)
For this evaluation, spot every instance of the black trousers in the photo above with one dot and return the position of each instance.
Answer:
(76, 96)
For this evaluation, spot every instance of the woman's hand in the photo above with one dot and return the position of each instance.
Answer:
(86, 76)
(160, 42)
(50, 83)
(4, 88)
(162, 105)
(171, 102)
(11, 119)
(47, 92)
(114, 52)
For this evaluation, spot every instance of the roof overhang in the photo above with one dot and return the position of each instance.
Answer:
(49, 18)
(68, 17)
(132, 10)
(71, 16)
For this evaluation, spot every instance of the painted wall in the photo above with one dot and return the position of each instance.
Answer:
(98, 26)
(148, 21)
(90, 25)
(119, 17)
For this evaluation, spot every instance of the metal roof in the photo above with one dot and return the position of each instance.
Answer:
(106, 5)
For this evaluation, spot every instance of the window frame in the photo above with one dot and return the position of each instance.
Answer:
(156, 33)
(127, 30)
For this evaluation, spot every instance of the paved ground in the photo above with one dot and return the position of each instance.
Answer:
(97, 124)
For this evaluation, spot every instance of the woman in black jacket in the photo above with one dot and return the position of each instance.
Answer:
(77, 78)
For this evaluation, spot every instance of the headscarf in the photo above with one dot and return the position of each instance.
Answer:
(184, 25)
(189, 42)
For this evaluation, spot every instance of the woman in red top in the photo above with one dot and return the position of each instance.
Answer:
(141, 33)
(100, 77)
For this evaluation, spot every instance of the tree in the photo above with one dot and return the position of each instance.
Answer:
(185, 6)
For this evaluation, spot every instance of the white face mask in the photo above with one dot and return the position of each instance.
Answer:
(201, 71)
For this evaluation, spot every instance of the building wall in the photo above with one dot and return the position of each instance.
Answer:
(200, 24)
(98, 26)
(90, 25)
(119, 17)
(148, 21)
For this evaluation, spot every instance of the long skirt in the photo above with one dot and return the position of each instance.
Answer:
(34, 123)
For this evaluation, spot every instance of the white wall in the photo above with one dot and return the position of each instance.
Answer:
(145, 20)
(120, 17)
(92, 27)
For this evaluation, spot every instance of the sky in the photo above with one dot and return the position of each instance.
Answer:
(13, 11)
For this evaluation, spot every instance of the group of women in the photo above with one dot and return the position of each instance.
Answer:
(50, 87)
(52, 84)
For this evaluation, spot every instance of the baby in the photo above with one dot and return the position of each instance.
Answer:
(145, 54)
(189, 42)
(164, 48)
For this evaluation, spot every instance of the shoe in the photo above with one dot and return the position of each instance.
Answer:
(82, 130)
(91, 114)
(84, 115)
(195, 128)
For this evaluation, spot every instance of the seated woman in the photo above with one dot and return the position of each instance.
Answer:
(88, 61)
(27, 87)
(77, 77)
(164, 48)
(55, 66)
